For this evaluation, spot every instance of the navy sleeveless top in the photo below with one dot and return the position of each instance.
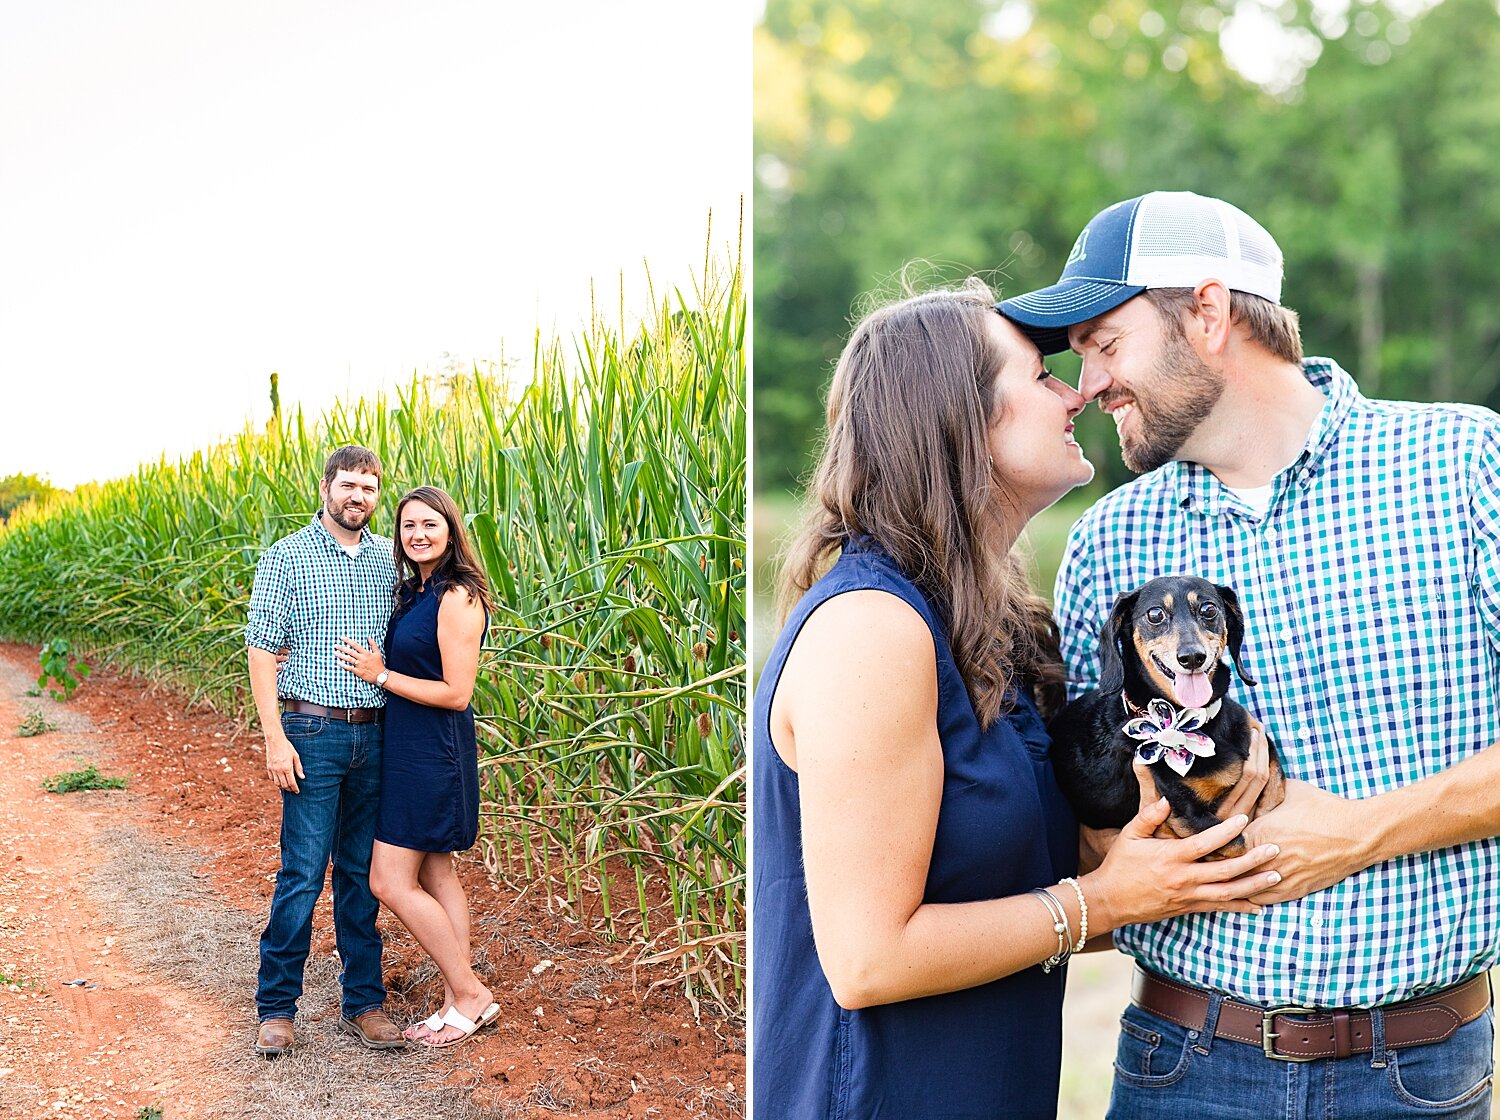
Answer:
(1003, 828)
(429, 767)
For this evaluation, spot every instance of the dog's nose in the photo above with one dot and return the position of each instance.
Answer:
(1192, 660)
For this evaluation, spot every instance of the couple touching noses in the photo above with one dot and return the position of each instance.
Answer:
(370, 740)
(917, 878)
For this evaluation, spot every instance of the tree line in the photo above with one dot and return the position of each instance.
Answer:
(980, 136)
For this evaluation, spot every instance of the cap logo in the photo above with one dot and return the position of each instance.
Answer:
(1080, 249)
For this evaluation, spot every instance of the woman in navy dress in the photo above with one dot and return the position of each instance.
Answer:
(913, 856)
(429, 803)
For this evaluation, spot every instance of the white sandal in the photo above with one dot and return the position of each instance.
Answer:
(433, 1023)
(454, 1018)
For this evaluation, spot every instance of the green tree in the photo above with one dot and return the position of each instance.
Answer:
(980, 135)
(18, 489)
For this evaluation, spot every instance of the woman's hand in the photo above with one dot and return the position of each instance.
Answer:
(1146, 879)
(366, 663)
(1093, 845)
(1248, 798)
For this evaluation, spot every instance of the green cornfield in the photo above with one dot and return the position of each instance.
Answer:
(606, 495)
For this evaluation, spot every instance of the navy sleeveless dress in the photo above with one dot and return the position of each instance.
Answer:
(429, 773)
(1003, 827)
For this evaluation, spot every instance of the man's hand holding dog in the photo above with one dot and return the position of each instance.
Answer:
(1323, 839)
(1145, 879)
(1244, 799)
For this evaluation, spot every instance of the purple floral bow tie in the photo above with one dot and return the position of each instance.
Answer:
(1166, 732)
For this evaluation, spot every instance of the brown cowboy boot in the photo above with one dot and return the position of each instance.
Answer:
(375, 1030)
(274, 1038)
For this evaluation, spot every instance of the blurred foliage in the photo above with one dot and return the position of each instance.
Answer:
(980, 136)
(18, 489)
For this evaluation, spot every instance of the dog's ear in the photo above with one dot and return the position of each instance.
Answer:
(1112, 643)
(1234, 618)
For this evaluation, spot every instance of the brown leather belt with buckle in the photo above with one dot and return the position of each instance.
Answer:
(1304, 1034)
(348, 715)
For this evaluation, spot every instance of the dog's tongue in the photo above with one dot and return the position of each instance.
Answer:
(1193, 689)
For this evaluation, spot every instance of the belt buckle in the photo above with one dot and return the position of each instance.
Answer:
(1268, 1037)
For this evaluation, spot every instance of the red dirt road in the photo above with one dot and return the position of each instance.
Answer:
(77, 1050)
(580, 1033)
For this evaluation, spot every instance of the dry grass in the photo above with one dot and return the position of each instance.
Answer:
(714, 1104)
(181, 932)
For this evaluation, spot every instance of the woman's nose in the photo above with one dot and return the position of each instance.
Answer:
(1071, 397)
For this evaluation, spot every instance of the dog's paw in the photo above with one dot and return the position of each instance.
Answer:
(1236, 847)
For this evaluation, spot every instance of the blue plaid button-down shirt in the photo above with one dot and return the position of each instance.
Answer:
(309, 592)
(1371, 592)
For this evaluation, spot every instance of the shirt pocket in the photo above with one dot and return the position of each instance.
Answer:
(1385, 660)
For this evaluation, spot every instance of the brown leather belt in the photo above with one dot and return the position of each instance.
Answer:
(1304, 1034)
(348, 715)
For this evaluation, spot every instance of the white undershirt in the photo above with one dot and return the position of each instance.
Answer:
(1258, 498)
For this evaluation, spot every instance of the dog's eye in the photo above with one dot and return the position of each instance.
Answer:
(1209, 611)
(1156, 616)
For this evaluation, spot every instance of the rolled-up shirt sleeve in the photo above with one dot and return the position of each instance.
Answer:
(270, 603)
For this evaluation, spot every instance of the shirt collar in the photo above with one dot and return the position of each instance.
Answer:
(1198, 490)
(334, 542)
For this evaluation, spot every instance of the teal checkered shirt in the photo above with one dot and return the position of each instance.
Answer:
(1371, 592)
(309, 592)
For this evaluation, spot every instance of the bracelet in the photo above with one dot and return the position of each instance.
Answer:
(1059, 918)
(1083, 914)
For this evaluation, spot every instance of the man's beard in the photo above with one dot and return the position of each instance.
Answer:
(351, 519)
(1182, 391)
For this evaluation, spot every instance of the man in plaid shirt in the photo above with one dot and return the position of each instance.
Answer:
(333, 579)
(1363, 540)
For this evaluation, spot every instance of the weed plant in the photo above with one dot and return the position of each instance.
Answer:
(34, 724)
(61, 669)
(86, 778)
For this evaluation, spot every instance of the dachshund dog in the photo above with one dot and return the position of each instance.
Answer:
(1161, 695)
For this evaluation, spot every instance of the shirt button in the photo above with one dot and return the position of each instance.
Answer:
(1316, 923)
(1272, 536)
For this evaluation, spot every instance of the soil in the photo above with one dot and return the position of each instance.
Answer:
(154, 896)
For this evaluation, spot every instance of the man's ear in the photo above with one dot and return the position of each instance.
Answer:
(1212, 312)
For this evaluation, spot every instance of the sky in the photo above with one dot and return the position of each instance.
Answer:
(194, 194)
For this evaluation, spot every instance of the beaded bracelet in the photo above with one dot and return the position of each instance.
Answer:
(1083, 915)
(1060, 927)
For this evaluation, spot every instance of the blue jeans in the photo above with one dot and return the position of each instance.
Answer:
(333, 817)
(1171, 1072)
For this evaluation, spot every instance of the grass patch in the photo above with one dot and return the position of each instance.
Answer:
(17, 982)
(75, 780)
(34, 724)
(1047, 536)
(149, 1112)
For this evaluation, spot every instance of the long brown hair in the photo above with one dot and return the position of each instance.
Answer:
(457, 567)
(905, 461)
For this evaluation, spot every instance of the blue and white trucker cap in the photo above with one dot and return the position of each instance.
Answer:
(1165, 239)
